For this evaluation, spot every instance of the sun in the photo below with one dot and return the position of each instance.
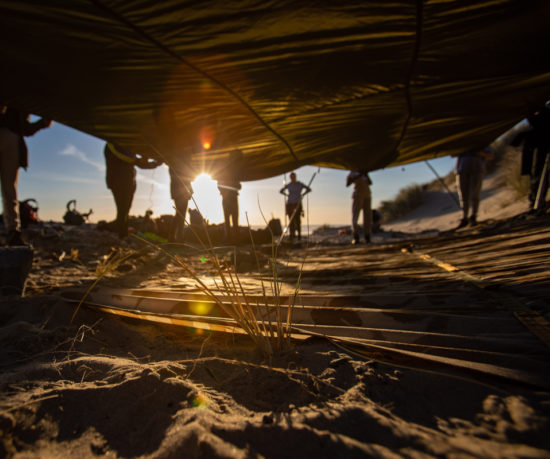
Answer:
(207, 198)
(202, 178)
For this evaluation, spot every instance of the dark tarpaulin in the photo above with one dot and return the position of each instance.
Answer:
(349, 84)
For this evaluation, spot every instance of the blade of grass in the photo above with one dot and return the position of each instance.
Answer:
(111, 266)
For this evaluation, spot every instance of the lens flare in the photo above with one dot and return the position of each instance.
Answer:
(201, 309)
(207, 135)
(197, 331)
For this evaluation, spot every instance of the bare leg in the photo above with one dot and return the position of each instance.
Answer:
(476, 181)
(355, 209)
(367, 217)
(123, 201)
(179, 220)
(9, 175)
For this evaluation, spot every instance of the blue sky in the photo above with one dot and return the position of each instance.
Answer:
(66, 164)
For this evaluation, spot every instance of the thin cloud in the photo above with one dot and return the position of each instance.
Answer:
(149, 181)
(71, 150)
(63, 178)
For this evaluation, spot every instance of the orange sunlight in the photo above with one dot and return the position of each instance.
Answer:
(207, 198)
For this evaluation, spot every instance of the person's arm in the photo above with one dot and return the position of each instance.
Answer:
(146, 163)
(352, 177)
(304, 187)
(486, 155)
(32, 128)
(519, 138)
(282, 191)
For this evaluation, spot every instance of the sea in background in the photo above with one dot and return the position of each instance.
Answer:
(308, 229)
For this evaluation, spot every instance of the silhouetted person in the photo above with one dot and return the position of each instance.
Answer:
(470, 169)
(376, 221)
(229, 186)
(120, 175)
(14, 126)
(536, 147)
(293, 191)
(181, 192)
(360, 201)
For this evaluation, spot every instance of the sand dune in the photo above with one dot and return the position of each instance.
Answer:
(441, 211)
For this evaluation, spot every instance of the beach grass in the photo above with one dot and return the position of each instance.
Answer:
(407, 199)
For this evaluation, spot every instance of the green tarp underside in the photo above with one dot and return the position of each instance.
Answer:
(347, 84)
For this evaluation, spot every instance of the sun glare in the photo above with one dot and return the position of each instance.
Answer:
(207, 198)
(202, 178)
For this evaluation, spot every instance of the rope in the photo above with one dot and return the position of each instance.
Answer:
(414, 59)
(442, 182)
(151, 190)
(284, 201)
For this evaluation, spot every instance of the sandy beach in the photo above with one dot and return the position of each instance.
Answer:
(429, 343)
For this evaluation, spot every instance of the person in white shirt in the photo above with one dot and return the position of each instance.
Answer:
(293, 192)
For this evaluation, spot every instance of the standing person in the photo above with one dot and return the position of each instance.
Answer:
(181, 192)
(14, 126)
(229, 186)
(470, 168)
(293, 191)
(536, 148)
(360, 201)
(120, 175)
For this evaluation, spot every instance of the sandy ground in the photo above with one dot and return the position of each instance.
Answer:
(114, 387)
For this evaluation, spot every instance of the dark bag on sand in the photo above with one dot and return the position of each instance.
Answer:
(275, 226)
(195, 218)
(28, 212)
(72, 216)
(15, 264)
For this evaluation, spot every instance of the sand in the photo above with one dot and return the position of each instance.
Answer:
(114, 387)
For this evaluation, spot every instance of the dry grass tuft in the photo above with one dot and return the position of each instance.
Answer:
(107, 265)
(231, 297)
(510, 166)
(270, 334)
(407, 199)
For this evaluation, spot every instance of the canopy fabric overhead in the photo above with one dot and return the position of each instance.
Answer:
(355, 84)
